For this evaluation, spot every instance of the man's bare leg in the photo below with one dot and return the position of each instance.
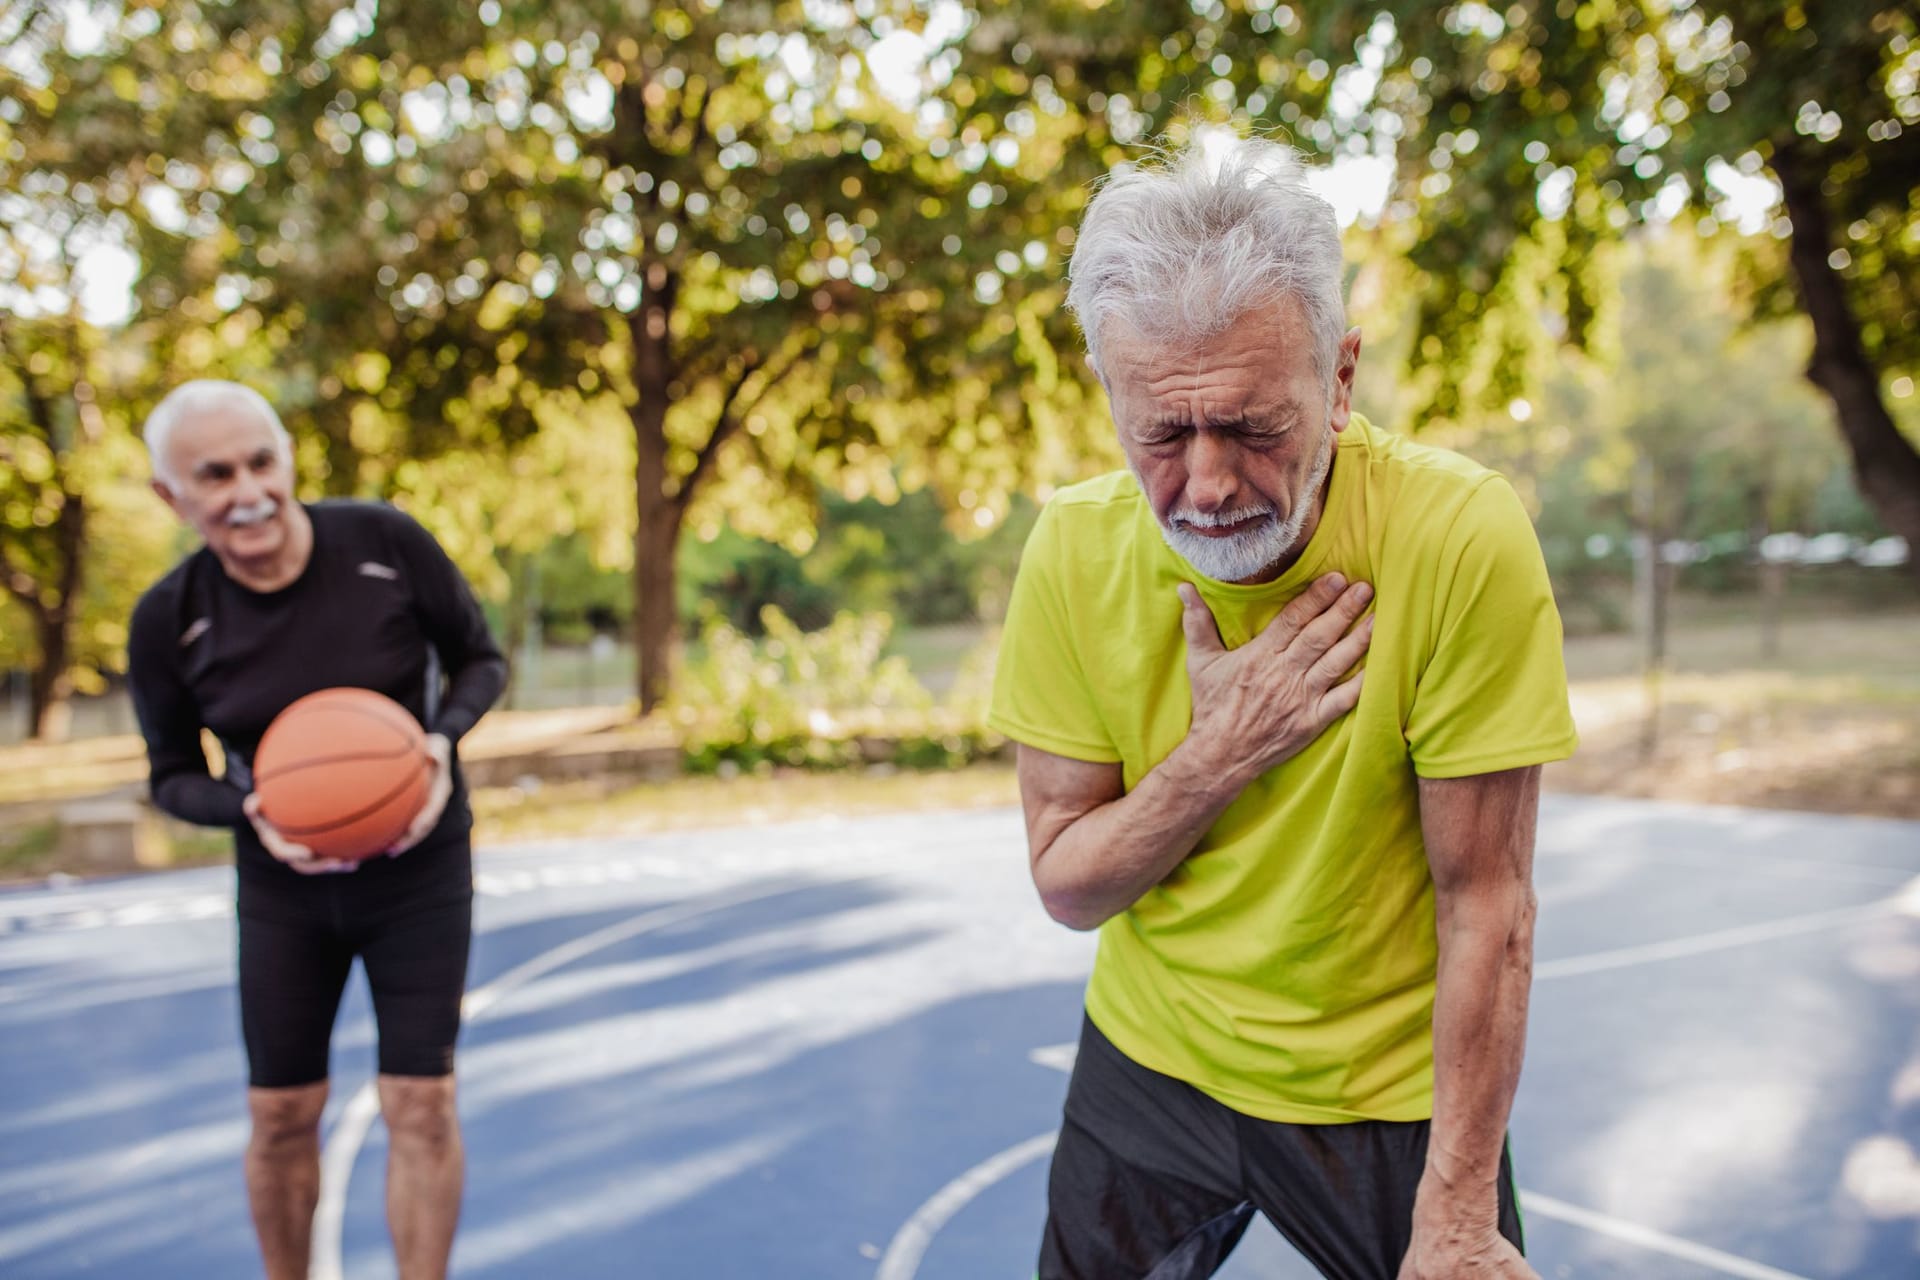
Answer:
(283, 1174)
(426, 1170)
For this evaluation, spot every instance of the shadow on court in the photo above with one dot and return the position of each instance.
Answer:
(795, 1075)
(751, 1157)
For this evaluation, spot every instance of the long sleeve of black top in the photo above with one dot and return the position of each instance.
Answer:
(170, 721)
(453, 621)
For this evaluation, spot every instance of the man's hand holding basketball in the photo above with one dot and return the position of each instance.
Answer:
(438, 793)
(1260, 704)
(297, 856)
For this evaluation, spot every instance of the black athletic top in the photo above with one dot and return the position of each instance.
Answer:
(379, 606)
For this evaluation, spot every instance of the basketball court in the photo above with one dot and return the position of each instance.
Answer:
(839, 1049)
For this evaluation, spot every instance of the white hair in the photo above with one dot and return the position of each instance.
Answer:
(1183, 245)
(199, 396)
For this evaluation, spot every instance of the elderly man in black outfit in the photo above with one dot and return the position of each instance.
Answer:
(286, 598)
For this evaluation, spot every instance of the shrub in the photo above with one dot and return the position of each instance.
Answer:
(817, 700)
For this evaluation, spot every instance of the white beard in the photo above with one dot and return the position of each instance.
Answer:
(1245, 555)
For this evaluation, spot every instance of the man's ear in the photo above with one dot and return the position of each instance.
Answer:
(1341, 410)
(166, 495)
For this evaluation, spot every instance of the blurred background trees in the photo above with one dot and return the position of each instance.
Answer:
(681, 310)
(1515, 145)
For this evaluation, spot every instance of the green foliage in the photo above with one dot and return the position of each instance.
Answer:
(80, 534)
(902, 558)
(578, 598)
(815, 700)
(739, 578)
(1524, 142)
(1695, 429)
(430, 229)
(1524, 137)
(909, 555)
(25, 850)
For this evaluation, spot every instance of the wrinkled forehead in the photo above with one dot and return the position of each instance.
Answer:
(221, 437)
(1257, 356)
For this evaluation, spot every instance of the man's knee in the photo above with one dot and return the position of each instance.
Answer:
(284, 1118)
(420, 1110)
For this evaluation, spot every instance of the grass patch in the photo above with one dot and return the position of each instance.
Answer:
(1876, 646)
(608, 808)
(191, 846)
(29, 850)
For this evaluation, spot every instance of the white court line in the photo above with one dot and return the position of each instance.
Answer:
(909, 1245)
(336, 1170)
(344, 1143)
(1647, 1238)
(1718, 940)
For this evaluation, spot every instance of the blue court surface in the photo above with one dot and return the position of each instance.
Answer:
(838, 1050)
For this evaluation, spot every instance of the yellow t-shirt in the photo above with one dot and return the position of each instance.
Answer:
(1286, 967)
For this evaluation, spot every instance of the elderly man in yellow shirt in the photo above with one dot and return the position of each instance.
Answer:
(1281, 695)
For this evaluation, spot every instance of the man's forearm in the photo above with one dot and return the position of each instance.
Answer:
(1106, 859)
(200, 799)
(472, 690)
(1479, 1032)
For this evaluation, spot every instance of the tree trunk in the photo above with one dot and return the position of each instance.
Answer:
(656, 538)
(1772, 573)
(1653, 589)
(1658, 585)
(50, 688)
(1649, 585)
(656, 533)
(513, 623)
(1885, 464)
(1773, 595)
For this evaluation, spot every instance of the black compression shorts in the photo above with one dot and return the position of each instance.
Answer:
(296, 949)
(1154, 1180)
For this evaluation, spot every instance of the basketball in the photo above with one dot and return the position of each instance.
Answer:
(343, 771)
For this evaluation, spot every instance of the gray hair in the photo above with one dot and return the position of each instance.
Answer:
(199, 396)
(1183, 245)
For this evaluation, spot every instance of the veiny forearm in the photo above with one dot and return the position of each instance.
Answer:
(1103, 861)
(1479, 1027)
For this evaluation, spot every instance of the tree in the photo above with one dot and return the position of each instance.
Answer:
(79, 534)
(439, 219)
(49, 419)
(1526, 136)
(1682, 429)
(66, 393)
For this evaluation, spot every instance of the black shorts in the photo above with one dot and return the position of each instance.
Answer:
(297, 947)
(1154, 1180)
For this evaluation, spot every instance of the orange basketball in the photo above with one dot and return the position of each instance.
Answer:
(343, 771)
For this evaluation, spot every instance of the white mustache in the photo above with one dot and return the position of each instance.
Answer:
(1218, 519)
(263, 510)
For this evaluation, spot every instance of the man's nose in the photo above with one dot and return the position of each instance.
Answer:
(1213, 481)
